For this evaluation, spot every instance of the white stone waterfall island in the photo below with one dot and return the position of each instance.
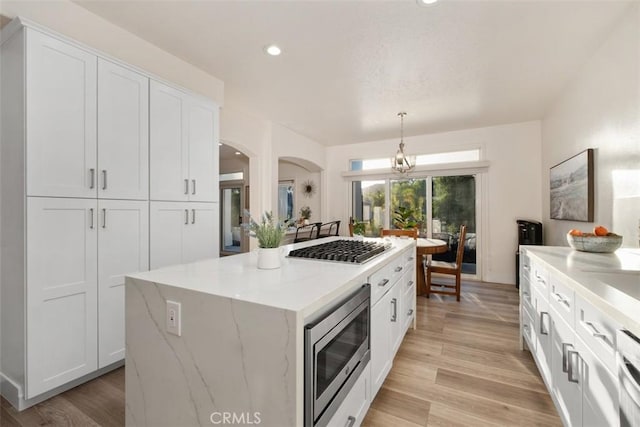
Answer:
(240, 353)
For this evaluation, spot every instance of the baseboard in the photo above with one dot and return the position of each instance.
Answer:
(14, 393)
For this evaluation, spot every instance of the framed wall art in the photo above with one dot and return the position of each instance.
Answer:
(571, 188)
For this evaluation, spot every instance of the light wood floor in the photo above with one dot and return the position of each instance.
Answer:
(461, 366)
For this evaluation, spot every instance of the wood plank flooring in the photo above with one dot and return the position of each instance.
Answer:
(460, 367)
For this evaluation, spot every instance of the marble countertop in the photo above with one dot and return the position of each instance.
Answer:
(609, 281)
(300, 285)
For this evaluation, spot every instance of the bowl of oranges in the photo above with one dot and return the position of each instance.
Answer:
(600, 240)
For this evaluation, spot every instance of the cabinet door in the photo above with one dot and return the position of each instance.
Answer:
(566, 370)
(202, 125)
(123, 133)
(61, 118)
(123, 248)
(202, 233)
(599, 390)
(381, 355)
(61, 291)
(168, 222)
(542, 333)
(168, 144)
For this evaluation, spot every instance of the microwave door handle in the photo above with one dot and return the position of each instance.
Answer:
(627, 381)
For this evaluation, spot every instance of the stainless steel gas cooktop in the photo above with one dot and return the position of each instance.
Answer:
(348, 251)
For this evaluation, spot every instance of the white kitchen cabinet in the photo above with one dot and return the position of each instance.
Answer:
(542, 332)
(381, 352)
(123, 248)
(182, 232)
(396, 317)
(354, 407)
(60, 118)
(123, 133)
(183, 146)
(62, 292)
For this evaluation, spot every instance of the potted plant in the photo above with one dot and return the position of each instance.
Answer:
(269, 234)
(359, 228)
(305, 214)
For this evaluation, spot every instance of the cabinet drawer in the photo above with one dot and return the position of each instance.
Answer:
(525, 291)
(561, 297)
(539, 279)
(525, 266)
(598, 331)
(354, 407)
(397, 267)
(381, 281)
(527, 304)
(410, 258)
(409, 298)
(528, 326)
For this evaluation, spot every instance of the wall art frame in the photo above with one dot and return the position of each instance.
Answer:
(571, 188)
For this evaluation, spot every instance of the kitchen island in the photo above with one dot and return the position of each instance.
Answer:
(240, 349)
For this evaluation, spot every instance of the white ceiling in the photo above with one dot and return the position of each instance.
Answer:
(349, 67)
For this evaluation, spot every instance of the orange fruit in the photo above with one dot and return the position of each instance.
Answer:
(600, 230)
(575, 232)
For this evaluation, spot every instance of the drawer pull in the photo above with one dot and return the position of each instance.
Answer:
(411, 258)
(595, 332)
(542, 329)
(525, 294)
(350, 421)
(571, 368)
(565, 358)
(562, 300)
(526, 267)
(394, 303)
(525, 326)
(540, 279)
(410, 312)
(383, 282)
(398, 269)
(409, 283)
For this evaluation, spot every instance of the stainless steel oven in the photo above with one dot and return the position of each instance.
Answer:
(337, 349)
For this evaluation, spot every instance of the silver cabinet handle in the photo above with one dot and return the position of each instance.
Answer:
(104, 179)
(542, 331)
(525, 326)
(561, 299)
(91, 217)
(193, 183)
(394, 303)
(565, 358)
(409, 283)
(410, 312)
(186, 186)
(383, 282)
(595, 332)
(571, 369)
(193, 216)
(104, 218)
(186, 216)
(92, 182)
(525, 294)
(398, 269)
(627, 379)
(350, 421)
(525, 267)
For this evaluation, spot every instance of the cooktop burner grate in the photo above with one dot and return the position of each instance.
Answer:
(349, 251)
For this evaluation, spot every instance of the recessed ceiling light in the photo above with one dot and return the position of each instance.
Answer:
(238, 153)
(219, 144)
(273, 50)
(423, 2)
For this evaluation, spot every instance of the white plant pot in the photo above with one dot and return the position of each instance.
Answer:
(269, 258)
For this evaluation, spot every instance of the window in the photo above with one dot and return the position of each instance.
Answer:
(421, 160)
(233, 176)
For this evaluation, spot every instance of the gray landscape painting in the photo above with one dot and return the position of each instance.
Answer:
(570, 189)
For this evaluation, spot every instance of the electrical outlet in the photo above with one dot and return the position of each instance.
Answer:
(174, 324)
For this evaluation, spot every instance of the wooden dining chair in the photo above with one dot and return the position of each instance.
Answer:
(412, 232)
(350, 229)
(451, 268)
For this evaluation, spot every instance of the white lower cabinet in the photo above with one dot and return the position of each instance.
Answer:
(353, 409)
(123, 248)
(62, 267)
(542, 333)
(381, 355)
(183, 232)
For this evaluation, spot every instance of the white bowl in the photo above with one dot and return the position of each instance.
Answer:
(600, 244)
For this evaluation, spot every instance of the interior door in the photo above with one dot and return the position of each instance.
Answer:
(202, 232)
(61, 118)
(123, 248)
(123, 133)
(61, 291)
(202, 121)
(232, 239)
(167, 224)
(168, 144)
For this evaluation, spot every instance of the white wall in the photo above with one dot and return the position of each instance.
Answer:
(510, 188)
(600, 109)
(299, 174)
(76, 22)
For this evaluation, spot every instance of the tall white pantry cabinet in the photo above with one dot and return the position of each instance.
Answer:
(83, 140)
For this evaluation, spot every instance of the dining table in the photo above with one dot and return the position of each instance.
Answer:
(426, 247)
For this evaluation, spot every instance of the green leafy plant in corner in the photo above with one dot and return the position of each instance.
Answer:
(404, 218)
(305, 212)
(269, 232)
(359, 228)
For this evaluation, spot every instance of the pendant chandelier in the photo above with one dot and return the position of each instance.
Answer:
(401, 163)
